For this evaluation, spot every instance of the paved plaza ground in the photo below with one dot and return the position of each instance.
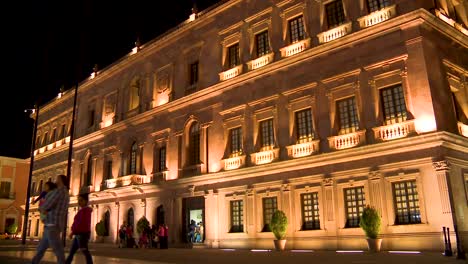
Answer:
(13, 252)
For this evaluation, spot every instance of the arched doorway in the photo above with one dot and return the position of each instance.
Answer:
(160, 219)
(130, 218)
(107, 222)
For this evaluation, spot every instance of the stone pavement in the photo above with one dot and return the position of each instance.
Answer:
(12, 252)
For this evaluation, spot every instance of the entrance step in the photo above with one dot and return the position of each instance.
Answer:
(199, 246)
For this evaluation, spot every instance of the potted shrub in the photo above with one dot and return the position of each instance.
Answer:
(370, 222)
(142, 225)
(279, 224)
(12, 229)
(100, 231)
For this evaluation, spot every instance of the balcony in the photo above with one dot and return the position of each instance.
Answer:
(264, 157)
(234, 162)
(463, 129)
(303, 149)
(128, 180)
(231, 73)
(348, 140)
(295, 48)
(377, 17)
(334, 33)
(394, 131)
(260, 62)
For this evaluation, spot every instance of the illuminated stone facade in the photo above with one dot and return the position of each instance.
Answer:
(336, 106)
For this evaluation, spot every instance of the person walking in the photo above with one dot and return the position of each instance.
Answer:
(81, 229)
(56, 207)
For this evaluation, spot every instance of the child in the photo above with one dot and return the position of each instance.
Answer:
(81, 228)
(48, 186)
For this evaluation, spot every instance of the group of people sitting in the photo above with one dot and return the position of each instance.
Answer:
(196, 232)
(149, 238)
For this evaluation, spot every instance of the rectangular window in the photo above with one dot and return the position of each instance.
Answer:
(354, 202)
(162, 159)
(269, 207)
(335, 13)
(393, 104)
(233, 56)
(237, 216)
(91, 118)
(406, 203)
(461, 117)
(29, 228)
(296, 29)
(45, 140)
(64, 131)
(109, 170)
(53, 136)
(266, 133)
(36, 229)
(376, 5)
(304, 126)
(347, 114)
(236, 140)
(194, 73)
(261, 40)
(310, 211)
(5, 189)
(38, 142)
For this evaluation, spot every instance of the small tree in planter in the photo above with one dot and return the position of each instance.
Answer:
(142, 225)
(100, 231)
(279, 224)
(370, 222)
(12, 229)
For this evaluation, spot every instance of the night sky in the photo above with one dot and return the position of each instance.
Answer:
(47, 44)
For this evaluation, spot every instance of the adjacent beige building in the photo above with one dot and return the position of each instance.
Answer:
(316, 108)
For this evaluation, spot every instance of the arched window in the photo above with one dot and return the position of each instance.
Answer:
(133, 158)
(89, 171)
(130, 217)
(134, 95)
(194, 144)
(107, 222)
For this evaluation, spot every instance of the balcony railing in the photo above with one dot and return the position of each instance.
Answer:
(377, 17)
(334, 33)
(234, 162)
(260, 62)
(295, 48)
(231, 73)
(53, 145)
(264, 157)
(348, 140)
(394, 131)
(128, 180)
(463, 129)
(303, 149)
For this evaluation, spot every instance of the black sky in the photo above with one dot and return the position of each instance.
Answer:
(47, 44)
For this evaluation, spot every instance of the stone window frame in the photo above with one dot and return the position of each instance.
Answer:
(309, 188)
(265, 193)
(183, 142)
(259, 27)
(191, 56)
(390, 199)
(289, 13)
(264, 109)
(235, 196)
(323, 14)
(228, 41)
(350, 182)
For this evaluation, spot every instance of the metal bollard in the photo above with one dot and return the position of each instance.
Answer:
(447, 251)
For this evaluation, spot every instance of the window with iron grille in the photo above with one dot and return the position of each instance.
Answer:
(406, 203)
(109, 170)
(194, 144)
(269, 207)
(393, 104)
(233, 56)
(236, 140)
(237, 216)
(354, 203)
(347, 114)
(5, 189)
(162, 159)
(310, 211)
(89, 171)
(36, 229)
(335, 13)
(266, 133)
(263, 47)
(376, 5)
(296, 29)
(133, 158)
(194, 73)
(304, 126)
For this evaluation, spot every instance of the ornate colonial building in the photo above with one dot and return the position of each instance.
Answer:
(316, 108)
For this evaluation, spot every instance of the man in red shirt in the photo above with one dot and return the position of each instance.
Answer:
(81, 229)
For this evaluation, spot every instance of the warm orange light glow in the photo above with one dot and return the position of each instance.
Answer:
(163, 98)
(215, 167)
(463, 129)
(192, 17)
(107, 122)
(377, 16)
(425, 124)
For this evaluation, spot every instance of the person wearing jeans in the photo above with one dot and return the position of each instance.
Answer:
(56, 207)
(81, 229)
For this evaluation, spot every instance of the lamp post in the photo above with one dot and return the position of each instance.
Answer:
(31, 166)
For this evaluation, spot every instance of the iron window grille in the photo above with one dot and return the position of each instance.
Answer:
(304, 126)
(393, 104)
(237, 216)
(310, 211)
(233, 56)
(347, 114)
(266, 132)
(354, 203)
(296, 29)
(406, 203)
(261, 39)
(335, 13)
(269, 207)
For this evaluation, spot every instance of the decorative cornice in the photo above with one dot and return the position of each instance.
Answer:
(442, 165)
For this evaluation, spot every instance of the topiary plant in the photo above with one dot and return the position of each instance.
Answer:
(12, 229)
(101, 228)
(279, 224)
(370, 222)
(142, 225)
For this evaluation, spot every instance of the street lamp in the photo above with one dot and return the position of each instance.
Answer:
(31, 166)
